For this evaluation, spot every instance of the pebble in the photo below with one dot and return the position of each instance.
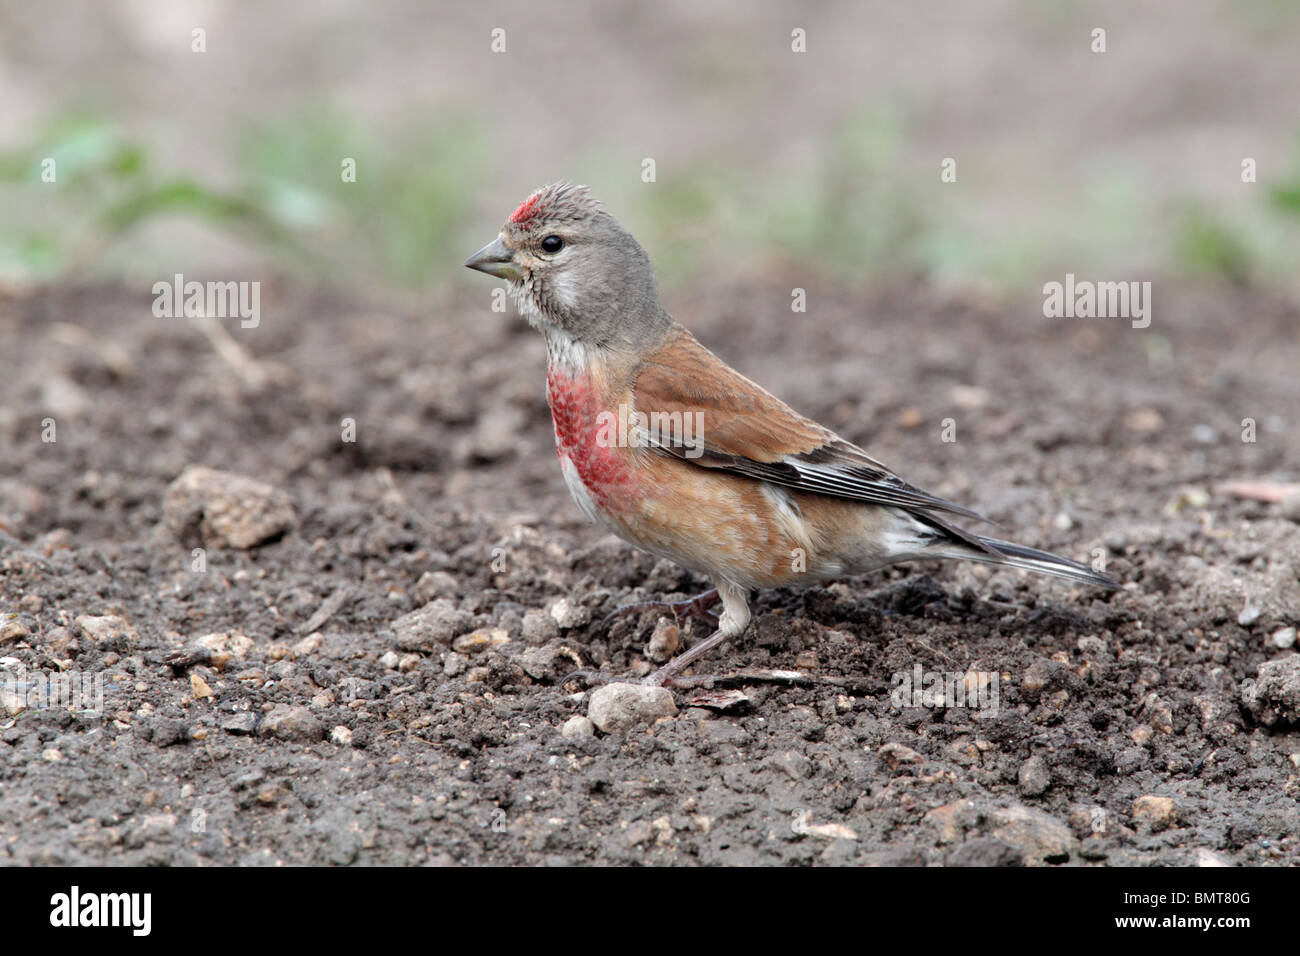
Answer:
(540, 662)
(106, 628)
(1284, 638)
(13, 631)
(226, 510)
(664, 642)
(568, 615)
(985, 851)
(341, 736)
(308, 645)
(1207, 857)
(433, 585)
(578, 726)
(1034, 777)
(1155, 813)
(232, 644)
(455, 664)
(199, 687)
(896, 755)
(1249, 614)
(793, 764)
(476, 642)
(292, 722)
(620, 707)
(1039, 836)
(168, 731)
(1273, 697)
(244, 723)
(437, 623)
(539, 627)
(389, 660)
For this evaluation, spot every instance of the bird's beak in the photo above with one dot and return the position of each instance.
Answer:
(496, 260)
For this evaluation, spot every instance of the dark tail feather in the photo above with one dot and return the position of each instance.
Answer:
(1041, 562)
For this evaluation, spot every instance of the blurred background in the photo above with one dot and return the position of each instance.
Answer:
(226, 163)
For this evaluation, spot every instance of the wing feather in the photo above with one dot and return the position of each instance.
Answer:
(712, 416)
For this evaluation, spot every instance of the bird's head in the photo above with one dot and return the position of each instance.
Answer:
(573, 269)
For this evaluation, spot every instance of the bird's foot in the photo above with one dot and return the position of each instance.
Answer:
(660, 678)
(697, 606)
(670, 675)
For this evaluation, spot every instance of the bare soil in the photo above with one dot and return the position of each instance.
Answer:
(1073, 434)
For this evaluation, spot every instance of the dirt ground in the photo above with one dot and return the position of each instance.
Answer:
(276, 706)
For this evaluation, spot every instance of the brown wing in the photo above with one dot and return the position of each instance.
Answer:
(714, 417)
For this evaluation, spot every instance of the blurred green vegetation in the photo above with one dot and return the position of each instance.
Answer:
(409, 218)
(289, 201)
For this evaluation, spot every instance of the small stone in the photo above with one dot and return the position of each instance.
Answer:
(453, 665)
(168, 731)
(639, 833)
(107, 629)
(828, 831)
(308, 645)
(389, 660)
(910, 417)
(437, 623)
(1155, 813)
(620, 707)
(292, 722)
(1207, 857)
(985, 851)
(1034, 776)
(408, 662)
(1284, 638)
(233, 644)
(199, 687)
(52, 755)
(341, 736)
(13, 630)
(243, 723)
(541, 662)
(1040, 837)
(155, 828)
(665, 640)
(12, 701)
(484, 639)
(539, 628)
(568, 615)
(224, 509)
(1249, 614)
(969, 396)
(1145, 420)
(897, 756)
(793, 764)
(1273, 697)
(433, 585)
(578, 726)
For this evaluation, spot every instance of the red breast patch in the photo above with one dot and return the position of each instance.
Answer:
(576, 411)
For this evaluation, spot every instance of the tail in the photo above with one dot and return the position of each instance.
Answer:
(1031, 559)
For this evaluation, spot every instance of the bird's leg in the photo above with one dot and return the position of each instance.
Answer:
(734, 620)
(697, 606)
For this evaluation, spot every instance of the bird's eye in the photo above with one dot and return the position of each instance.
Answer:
(552, 244)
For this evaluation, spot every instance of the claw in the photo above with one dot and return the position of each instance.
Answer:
(697, 606)
(592, 677)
